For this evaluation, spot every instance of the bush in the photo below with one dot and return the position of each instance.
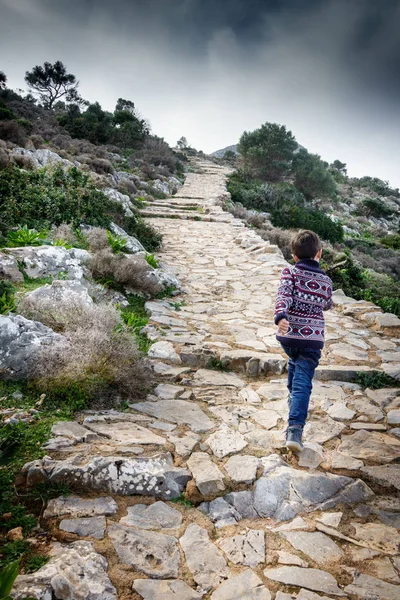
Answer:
(126, 186)
(100, 356)
(374, 207)
(129, 272)
(312, 177)
(157, 152)
(7, 297)
(97, 239)
(102, 166)
(391, 241)
(147, 236)
(65, 233)
(378, 186)
(11, 131)
(37, 141)
(262, 196)
(4, 159)
(267, 152)
(23, 161)
(43, 198)
(296, 217)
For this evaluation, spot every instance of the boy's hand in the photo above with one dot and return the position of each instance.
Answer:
(283, 326)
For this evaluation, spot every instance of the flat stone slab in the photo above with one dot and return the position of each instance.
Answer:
(313, 579)
(168, 391)
(70, 429)
(318, 546)
(208, 377)
(242, 469)
(365, 586)
(169, 589)
(348, 352)
(286, 558)
(323, 430)
(75, 572)
(177, 411)
(246, 586)
(204, 560)
(155, 516)
(126, 433)
(165, 350)
(253, 362)
(80, 507)
(226, 441)
(378, 537)
(155, 554)
(247, 548)
(208, 478)
(393, 417)
(365, 445)
(154, 476)
(387, 475)
(85, 526)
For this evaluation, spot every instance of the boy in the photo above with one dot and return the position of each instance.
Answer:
(304, 292)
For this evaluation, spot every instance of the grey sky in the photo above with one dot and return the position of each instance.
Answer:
(208, 69)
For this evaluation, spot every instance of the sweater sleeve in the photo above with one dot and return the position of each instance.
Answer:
(329, 300)
(284, 298)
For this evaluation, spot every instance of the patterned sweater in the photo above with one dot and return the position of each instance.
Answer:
(304, 292)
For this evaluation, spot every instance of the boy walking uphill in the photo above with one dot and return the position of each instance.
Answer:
(304, 292)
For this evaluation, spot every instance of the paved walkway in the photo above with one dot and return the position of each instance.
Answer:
(255, 522)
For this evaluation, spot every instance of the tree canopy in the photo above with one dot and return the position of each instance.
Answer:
(3, 80)
(52, 82)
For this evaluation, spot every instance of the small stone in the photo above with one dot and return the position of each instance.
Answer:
(209, 479)
(340, 412)
(318, 546)
(15, 535)
(337, 460)
(286, 558)
(168, 391)
(164, 351)
(311, 456)
(378, 536)
(247, 548)
(330, 519)
(393, 417)
(365, 587)
(184, 444)
(154, 554)
(204, 560)
(85, 527)
(246, 586)
(387, 475)
(155, 516)
(220, 512)
(171, 589)
(368, 426)
(226, 441)
(313, 579)
(377, 447)
(387, 320)
(242, 469)
(217, 378)
(322, 430)
(297, 524)
(249, 396)
(80, 507)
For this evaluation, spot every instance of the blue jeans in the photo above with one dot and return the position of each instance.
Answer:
(301, 368)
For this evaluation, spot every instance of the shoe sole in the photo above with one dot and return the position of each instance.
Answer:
(294, 446)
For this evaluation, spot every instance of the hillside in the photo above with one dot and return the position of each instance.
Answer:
(223, 151)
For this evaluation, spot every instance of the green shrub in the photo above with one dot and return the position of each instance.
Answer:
(391, 241)
(267, 152)
(312, 177)
(375, 381)
(147, 236)
(296, 217)
(7, 297)
(47, 197)
(376, 185)
(117, 243)
(261, 196)
(151, 260)
(374, 207)
(26, 237)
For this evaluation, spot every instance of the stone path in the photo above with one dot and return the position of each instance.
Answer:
(264, 524)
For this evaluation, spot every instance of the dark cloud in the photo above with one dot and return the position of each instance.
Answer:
(209, 69)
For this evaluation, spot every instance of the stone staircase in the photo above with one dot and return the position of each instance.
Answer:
(255, 522)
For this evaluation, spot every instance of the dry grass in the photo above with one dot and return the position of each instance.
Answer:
(63, 232)
(130, 272)
(98, 354)
(97, 239)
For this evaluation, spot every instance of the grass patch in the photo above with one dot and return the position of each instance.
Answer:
(135, 318)
(376, 381)
(151, 260)
(216, 365)
(183, 501)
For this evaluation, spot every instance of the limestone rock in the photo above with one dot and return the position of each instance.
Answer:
(208, 478)
(250, 396)
(20, 342)
(85, 526)
(167, 391)
(377, 447)
(285, 558)
(242, 469)
(154, 554)
(169, 589)
(322, 430)
(122, 199)
(226, 441)
(313, 579)
(132, 244)
(394, 417)
(80, 507)
(378, 536)
(126, 433)
(155, 516)
(330, 519)
(45, 261)
(311, 456)
(318, 546)
(204, 560)
(153, 476)
(246, 586)
(349, 352)
(217, 378)
(70, 293)
(177, 411)
(387, 320)
(75, 572)
(164, 351)
(185, 443)
(247, 548)
(337, 460)
(366, 587)
(387, 475)
(253, 362)
(307, 595)
(70, 429)
(9, 268)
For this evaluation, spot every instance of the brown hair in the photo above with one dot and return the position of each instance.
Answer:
(305, 244)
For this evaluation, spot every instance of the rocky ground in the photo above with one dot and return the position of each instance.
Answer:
(255, 522)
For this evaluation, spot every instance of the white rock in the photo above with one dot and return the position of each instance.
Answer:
(246, 586)
(226, 441)
(246, 548)
(164, 351)
(242, 469)
(208, 478)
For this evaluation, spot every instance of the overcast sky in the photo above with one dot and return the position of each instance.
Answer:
(209, 69)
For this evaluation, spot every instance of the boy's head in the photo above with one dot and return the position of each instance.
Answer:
(306, 244)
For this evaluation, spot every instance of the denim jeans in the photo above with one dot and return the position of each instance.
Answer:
(301, 368)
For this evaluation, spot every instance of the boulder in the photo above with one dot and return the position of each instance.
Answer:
(50, 261)
(75, 572)
(9, 268)
(20, 342)
(132, 244)
(122, 199)
(69, 293)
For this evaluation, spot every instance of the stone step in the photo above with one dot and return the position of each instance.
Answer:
(343, 372)
(165, 214)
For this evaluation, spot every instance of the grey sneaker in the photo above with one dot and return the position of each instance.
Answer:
(293, 439)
